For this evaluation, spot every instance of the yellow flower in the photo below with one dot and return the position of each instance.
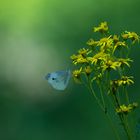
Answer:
(131, 35)
(81, 60)
(97, 57)
(92, 42)
(124, 109)
(88, 70)
(73, 57)
(105, 43)
(109, 64)
(102, 28)
(78, 59)
(84, 51)
(114, 86)
(125, 80)
(77, 75)
(119, 44)
(115, 39)
(123, 62)
(114, 83)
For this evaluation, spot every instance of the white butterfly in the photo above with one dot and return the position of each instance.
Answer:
(59, 79)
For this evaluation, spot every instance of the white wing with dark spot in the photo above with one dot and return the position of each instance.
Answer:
(59, 79)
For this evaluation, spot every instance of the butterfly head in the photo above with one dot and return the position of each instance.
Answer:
(48, 76)
(51, 77)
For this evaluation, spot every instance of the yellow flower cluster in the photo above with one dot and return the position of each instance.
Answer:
(124, 109)
(107, 58)
(105, 54)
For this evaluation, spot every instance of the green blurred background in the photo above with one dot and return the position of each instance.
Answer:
(38, 36)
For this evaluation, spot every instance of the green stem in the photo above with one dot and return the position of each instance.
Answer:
(102, 98)
(128, 51)
(113, 126)
(128, 126)
(122, 119)
(119, 99)
(126, 94)
(93, 93)
(125, 127)
(103, 109)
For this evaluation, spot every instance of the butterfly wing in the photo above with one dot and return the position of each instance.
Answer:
(62, 80)
(59, 79)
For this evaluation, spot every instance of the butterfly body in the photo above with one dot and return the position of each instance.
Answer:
(59, 79)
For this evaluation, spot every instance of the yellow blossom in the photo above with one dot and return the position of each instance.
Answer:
(88, 70)
(125, 80)
(73, 57)
(105, 43)
(102, 28)
(92, 42)
(123, 61)
(78, 59)
(97, 57)
(81, 60)
(114, 86)
(115, 39)
(109, 64)
(114, 83)
(130, 35)
(124, 109)
(84, 51)
(77, 75)
(119, 44)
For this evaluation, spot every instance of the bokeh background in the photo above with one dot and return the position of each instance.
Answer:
(37, 37)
